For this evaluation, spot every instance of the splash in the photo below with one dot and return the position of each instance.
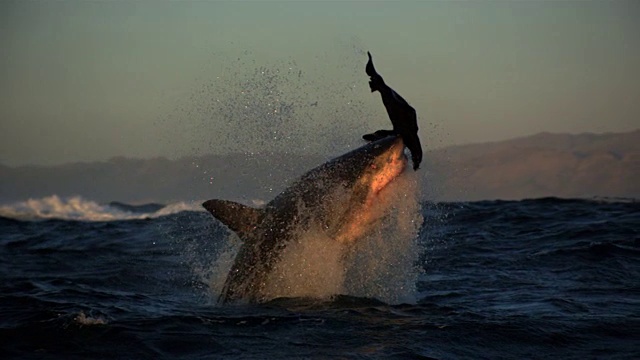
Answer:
(251, 105)
(381, 264)
(311, 267)
(262, 106)
(80, 209)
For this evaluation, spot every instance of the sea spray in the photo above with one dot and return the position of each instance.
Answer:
(383, 264)
(310, 267)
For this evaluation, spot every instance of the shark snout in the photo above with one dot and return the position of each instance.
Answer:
(392, 164)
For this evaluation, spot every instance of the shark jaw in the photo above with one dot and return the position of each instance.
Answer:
(387, 167)
(340, 197)
(365, 212)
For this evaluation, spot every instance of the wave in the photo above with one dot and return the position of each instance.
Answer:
(80, 209)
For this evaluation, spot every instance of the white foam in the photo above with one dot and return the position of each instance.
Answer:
(84, 320)
(78, 208)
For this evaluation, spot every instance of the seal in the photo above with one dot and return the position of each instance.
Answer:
(403, 117)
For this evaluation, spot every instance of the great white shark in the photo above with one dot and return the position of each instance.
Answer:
(337, 198)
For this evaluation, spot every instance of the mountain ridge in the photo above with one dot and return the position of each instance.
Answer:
(540, 165)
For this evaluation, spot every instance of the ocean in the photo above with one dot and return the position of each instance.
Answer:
(530, 279)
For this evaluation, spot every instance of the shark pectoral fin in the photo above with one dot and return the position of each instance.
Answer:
(241, 219)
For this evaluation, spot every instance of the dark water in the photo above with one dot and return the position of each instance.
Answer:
(545, 278)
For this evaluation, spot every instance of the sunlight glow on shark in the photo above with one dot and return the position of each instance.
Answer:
(339, 197)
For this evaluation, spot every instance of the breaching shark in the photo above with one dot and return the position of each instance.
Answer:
(337, 198)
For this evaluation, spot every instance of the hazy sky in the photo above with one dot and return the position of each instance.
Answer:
(85, 80)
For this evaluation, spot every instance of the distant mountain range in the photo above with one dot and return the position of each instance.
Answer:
(560, 165)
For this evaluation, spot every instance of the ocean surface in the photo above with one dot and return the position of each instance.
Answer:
(531, 279)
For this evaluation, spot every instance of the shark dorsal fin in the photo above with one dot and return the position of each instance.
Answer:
(241, 219)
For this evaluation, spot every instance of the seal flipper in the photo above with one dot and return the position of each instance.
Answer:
(380, 134)
(241, 219)
(376, 82)
(412, 142)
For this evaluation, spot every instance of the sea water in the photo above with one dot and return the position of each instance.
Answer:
(494, 279)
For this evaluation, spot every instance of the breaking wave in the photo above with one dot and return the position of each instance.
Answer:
(80, 209)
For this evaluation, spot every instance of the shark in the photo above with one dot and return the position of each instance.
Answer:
(338, 198)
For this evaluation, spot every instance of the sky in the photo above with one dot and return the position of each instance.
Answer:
(92, 80)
